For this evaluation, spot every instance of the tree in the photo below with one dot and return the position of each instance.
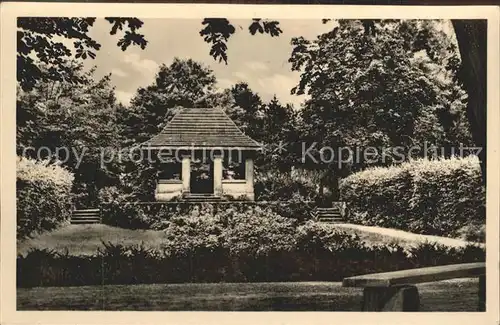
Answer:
(280, 135)
(471, 36)
(72, 124)
(382, 89)
(39, 42)
(246, 109)
(184, 83)
(270, 124)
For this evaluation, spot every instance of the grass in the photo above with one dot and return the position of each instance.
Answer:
(86, 239)
(381, 236)
(450, 295)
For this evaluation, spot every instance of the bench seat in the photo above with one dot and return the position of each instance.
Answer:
(396, 291)
(414, 276)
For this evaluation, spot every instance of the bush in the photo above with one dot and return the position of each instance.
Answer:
(44, 198)
(257, 231)
(473, 232)
(118, 209)
(380, 194)
(122, 209)
(447, 195)
(189, 233)
(295, 197)
(278, 186)
(436, 197)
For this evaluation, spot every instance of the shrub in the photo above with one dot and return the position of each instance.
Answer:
(473, 232)
(275, 186)
(123, 210)
(189, 233)
(44, 198)
(257, 231)
(436, 197)
(382, 194)
(118, 209)
(295, 197)
(447, 194)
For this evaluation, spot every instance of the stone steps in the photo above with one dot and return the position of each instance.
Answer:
(327, 215)
(202, 197)
(86, 216)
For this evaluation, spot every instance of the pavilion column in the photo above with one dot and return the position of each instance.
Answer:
(249, 176)
(186, 173)
(217, 160)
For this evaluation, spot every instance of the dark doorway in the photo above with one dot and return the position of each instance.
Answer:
(202, 180)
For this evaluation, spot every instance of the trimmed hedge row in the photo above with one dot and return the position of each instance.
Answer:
(438, 197)
(44, 198)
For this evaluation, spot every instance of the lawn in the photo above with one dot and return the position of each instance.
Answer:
(86, 239)
(450, 295)
(380, 235)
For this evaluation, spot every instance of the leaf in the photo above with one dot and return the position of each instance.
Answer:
(50, 52)
(217, 31)
(254, 27)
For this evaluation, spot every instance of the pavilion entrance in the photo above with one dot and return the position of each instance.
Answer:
(202, 177)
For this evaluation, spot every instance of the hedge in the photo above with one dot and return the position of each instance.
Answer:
(123, 210)
(44, 198)
(235, 247)
(435, 197)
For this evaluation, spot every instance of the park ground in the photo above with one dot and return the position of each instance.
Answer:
(450, 295)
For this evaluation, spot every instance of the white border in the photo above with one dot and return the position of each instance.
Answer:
(9, 12)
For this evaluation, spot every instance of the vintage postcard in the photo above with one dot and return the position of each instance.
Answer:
(201, 164)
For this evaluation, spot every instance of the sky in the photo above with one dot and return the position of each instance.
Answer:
(260, 60)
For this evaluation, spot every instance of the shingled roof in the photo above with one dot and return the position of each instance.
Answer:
(203, 128)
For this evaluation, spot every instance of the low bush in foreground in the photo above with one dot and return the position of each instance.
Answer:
(438, 197)
(230, 247)
(44, 198)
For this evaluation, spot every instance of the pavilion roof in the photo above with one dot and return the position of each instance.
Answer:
(201, 128)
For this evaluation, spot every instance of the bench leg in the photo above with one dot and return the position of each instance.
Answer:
(482, 293)
(394, 298)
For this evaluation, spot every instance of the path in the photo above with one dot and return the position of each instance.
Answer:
(402, 236)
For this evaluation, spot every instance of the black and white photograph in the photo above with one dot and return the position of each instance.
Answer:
(251, 164)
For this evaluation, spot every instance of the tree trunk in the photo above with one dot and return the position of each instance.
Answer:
(472, 36)
(335, 186)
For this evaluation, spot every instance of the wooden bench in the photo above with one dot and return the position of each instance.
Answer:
(396, 291)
